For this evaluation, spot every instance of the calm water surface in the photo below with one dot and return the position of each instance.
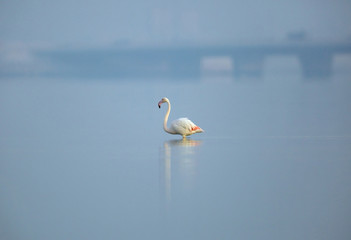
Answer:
(90, 160)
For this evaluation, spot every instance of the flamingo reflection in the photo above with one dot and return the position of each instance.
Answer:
(180, 155)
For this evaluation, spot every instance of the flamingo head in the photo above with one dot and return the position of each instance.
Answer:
(163, 100)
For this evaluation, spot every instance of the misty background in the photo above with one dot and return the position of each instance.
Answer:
(89, 23)
(30, 28)
(83, 154)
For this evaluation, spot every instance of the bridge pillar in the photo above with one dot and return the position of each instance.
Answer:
(187, 66)
(316, 64)
(248, 65)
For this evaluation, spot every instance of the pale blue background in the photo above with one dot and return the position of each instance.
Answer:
(88, 158)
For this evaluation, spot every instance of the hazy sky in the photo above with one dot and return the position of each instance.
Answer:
(101, 22)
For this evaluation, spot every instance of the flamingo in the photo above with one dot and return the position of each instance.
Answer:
(181, 126)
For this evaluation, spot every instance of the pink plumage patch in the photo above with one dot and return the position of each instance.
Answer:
(195, 128)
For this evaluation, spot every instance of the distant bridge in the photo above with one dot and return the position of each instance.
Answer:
(315, 59)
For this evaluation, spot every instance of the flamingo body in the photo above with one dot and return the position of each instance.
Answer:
(181, 126)
(184, 126)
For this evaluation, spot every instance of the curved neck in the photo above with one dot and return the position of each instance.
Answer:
(166, 119)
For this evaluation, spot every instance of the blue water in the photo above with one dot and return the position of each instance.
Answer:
(90, 160)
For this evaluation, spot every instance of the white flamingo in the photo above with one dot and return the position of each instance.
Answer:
(181, 126)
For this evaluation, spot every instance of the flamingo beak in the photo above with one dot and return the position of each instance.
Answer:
(159, 104)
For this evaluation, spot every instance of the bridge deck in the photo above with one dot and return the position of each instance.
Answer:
(315, 58)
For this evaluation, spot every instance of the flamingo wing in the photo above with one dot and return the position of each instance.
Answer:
(184, 126)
